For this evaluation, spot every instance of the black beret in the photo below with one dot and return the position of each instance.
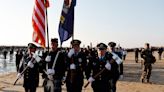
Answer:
(101, 46)
(54, 40)
(31, 45)
(75, 42)
(112, 44)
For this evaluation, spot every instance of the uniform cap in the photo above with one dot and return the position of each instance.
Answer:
(112, 44)
(101, 46)
(75, 42)
(54, 40)
(31, 45)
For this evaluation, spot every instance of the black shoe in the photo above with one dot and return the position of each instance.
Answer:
(142, 80)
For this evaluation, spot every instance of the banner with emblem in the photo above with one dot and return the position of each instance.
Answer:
(66, 25)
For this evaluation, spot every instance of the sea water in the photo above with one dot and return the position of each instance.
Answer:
(7, 65)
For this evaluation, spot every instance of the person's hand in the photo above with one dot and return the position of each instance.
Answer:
(30, 64)
(36, 57)
(116, 58)
(72, 66)
(121, 77)
(108, 66)
(19, 75)
(50, 77)
(71, 52)
(48, 58)
(50, 71)
(91, 79)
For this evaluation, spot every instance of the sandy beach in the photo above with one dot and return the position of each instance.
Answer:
(130, 82)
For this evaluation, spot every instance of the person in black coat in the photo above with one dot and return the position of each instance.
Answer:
(31, 74)
(55, 68)
(76, 64)
(97, 64)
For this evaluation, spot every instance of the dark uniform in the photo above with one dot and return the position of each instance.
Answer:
(148, 57)
(96, 64)
(117, 68)
(18, 58)
(31, 75)
(60, 67)
(136, 54)
(75, 77)
(160, 50)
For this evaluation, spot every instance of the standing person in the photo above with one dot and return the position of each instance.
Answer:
(76, 64)
(18, 58)
(5, 54)
(149, 59)
(136, 54)
(11, 53)
(124, 53)
(117, 70)
(160, 50)
(97, 64)
(55, 68)
(31, 75)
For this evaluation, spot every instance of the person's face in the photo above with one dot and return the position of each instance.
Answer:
(146, 46)
(54, 45)
(32, 50)
(111, 48)
(101, 52)
(76, 47)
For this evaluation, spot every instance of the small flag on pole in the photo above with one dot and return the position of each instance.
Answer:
(66, 25)
(38, 21)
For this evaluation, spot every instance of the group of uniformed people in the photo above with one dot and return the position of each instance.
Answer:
(102, 67)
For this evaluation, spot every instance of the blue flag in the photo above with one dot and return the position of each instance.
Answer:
(66, 26)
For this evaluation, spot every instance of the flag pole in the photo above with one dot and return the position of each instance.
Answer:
(73, 22)
(47, 25)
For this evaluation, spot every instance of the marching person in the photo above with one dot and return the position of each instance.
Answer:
(55, 68)
(97, 64)
(117, 70)
(76, 63)
(31, 74)
(149, 59)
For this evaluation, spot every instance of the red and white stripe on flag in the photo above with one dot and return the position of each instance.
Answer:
(38, 22)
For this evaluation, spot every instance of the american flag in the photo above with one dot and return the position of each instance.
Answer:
(39, 21)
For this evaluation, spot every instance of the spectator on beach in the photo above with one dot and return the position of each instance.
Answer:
(18, 58)
(124, 53)
(149, 59)
(4, 54)
(136, 54)
(160, 50)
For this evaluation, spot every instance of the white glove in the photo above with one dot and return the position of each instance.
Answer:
(71, 52)
(121, 77)
(116, 58)
(72, 66)
(48, 59)
(91, 79)
(36, 57)
(19, 75)
(50, 77)
(30, 64)
(64, 78)
(50, 71)
(108, 66)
